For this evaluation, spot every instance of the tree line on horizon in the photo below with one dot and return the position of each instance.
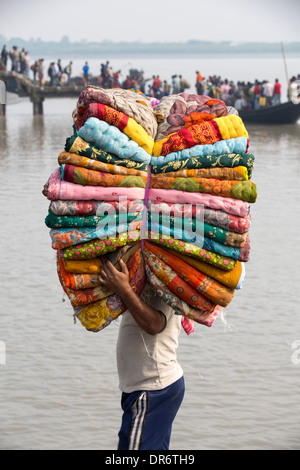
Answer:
(107, 47)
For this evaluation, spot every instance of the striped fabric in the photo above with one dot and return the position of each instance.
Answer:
(139, 410)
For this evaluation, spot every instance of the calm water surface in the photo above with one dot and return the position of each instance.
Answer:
(59, 386)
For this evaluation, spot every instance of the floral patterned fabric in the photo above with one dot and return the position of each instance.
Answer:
(180, 305)
(175, 112)
(134, 105)
(208, 132)
(115, 163)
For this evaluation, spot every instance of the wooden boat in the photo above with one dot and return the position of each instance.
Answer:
(285, 113)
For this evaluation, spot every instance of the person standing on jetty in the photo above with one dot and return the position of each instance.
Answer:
(4, 55)
(86, 72)
(150, 378)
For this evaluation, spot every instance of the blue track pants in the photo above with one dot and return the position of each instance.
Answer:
(148, 417)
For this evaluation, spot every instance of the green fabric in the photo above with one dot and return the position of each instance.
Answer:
(194, 163)
(220, 235)
(77, 145)
(77, 221)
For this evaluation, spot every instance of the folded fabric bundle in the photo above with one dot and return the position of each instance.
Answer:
(97, 208)
(84, 274)
(191, 225)
(215, 291)
(124, 123)
(239, 173)
(82, 296)
(84, 266)
(79, 297)
(175, 112)
(90, 164)
(216, 218)
(76, 145)
(180, 305)
(210, 257)
(235, 146)
(208, 132)
(94, 209)
(233, 279)
(244, 190)
(229, 205)
(207, 162)
(62, 238)
(200, 241)
(97, 315)
(177, 285)
(78, 221)
(84, 176)
(95, 248)
(134, 105)
(111, 139)
(60, 189)
(128, 180)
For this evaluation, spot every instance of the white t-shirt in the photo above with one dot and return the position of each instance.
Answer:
(144, 361)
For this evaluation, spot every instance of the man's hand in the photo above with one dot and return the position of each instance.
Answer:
(113, 279)
(150, 320)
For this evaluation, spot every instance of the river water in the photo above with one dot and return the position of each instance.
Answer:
(59, 385)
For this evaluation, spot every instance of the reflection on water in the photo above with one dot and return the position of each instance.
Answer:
(59, 387)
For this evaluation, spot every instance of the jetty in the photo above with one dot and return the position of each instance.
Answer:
(26, 87)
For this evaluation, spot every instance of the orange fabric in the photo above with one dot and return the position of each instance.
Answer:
(209, 287)
(86, 296)
(176, 284)
(228, 278)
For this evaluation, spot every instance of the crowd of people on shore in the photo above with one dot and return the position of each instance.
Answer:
(20, 62)
(241, 95)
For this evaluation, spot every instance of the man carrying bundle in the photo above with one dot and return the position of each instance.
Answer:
(150, 377)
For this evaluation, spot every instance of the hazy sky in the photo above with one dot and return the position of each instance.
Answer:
(154, 20)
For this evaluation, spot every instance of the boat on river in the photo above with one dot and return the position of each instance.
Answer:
(285, 113)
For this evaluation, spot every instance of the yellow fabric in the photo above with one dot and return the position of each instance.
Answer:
(239, 173)
(90, 164)
(94, 315)
(231, 127)
(137, 133)
(88, 266)
(228, 278)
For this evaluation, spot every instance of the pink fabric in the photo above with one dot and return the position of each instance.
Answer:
(226, 204)
(188, 325)
(60, 189)
(231, 222)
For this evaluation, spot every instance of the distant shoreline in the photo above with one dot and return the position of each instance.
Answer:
(156, 49)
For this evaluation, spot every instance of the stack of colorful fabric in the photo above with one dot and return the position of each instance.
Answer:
(97, 199)
(199, 214)
(187, 162)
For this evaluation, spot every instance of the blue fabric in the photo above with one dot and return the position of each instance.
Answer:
(194, 238)
(236, 145)
(109, 138)
(148, 417)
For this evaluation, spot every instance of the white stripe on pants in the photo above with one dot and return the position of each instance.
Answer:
(139, 409)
